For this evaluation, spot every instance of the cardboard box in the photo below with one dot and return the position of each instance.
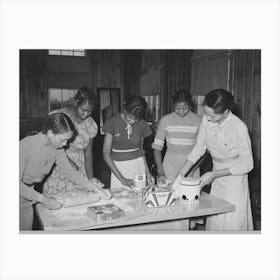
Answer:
(140, 181)
(159, 197)
(104, 213)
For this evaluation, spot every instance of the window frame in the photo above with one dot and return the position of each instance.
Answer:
(68, 55)
(61, 89)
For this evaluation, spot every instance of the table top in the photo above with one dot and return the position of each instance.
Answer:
(76, 218)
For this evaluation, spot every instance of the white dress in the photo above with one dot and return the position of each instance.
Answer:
(226, 141)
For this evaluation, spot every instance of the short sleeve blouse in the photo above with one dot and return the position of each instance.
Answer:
(116, 126)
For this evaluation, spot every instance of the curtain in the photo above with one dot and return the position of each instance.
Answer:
(209, 73)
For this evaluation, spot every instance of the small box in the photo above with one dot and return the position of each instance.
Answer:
(104, 213)
(159, 196)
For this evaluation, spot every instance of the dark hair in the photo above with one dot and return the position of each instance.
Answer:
(84, 95)
(135, 105)
(58, 123)
(219, 100)
(182, 96)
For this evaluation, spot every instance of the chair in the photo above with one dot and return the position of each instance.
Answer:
(33, 132)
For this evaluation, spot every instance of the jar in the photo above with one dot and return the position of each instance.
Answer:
(189, 189)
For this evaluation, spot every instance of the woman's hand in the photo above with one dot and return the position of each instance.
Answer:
(103, 193)
(50, 203)
(150, 179)
(127, 182)
(96, 182)
(207, 178)
(161, 180)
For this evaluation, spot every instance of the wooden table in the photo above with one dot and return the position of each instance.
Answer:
(174, 218)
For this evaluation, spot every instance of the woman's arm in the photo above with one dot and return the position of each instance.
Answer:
(107, 146)
(76, 177)
(245, 162)
(198, 150)
(150, 178)
(89, 160)
(69, 172)
(158, 145)
(28, 192)
(186, 168)
(158, 160)
(209, 177)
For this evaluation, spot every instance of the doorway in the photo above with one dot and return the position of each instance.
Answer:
(109, 104)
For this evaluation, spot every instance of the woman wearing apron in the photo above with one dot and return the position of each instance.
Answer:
(226, 137)
(179, 130)
(123, 144)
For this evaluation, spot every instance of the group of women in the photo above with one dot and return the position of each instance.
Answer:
(62, 153)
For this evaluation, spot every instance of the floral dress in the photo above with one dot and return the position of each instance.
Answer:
(56, 182)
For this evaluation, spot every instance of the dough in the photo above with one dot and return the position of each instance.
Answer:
(73, 198)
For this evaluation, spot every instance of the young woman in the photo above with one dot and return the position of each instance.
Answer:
(179, 130)
(123, 144)
(227, 139)
(38, 153)
(79, 151)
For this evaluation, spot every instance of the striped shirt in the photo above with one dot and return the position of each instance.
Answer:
(179, 133)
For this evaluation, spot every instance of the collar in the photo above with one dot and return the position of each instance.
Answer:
(44, 139)
(226, 120)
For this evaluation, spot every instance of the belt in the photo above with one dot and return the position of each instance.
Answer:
(125, 151)
(225, 160)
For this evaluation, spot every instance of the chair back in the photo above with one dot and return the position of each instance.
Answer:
(33, 132)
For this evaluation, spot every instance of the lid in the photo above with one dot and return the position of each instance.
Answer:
(189, 181)
(157, 189)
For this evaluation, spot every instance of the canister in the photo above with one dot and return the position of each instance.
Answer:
(189, 189)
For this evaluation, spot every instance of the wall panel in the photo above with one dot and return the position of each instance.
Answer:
(247, 91)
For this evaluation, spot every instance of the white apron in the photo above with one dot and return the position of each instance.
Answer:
(128, 168)
(172, 164)
(235, 190)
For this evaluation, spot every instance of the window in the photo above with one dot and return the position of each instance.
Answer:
(153, 107)
(210, 70)
(60, 97)
(73, 52)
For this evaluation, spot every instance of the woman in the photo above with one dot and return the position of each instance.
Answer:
(123, 144)
(227, 139)
(38, 153)
(79, 151)
(179, 130)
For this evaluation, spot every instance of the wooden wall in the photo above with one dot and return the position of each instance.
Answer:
(32, 90)
(247, 91)
(39, 71)
(176, 74)
(131, 65)
(32, 84)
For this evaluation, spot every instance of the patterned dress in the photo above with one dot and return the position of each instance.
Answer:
(56, 182)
